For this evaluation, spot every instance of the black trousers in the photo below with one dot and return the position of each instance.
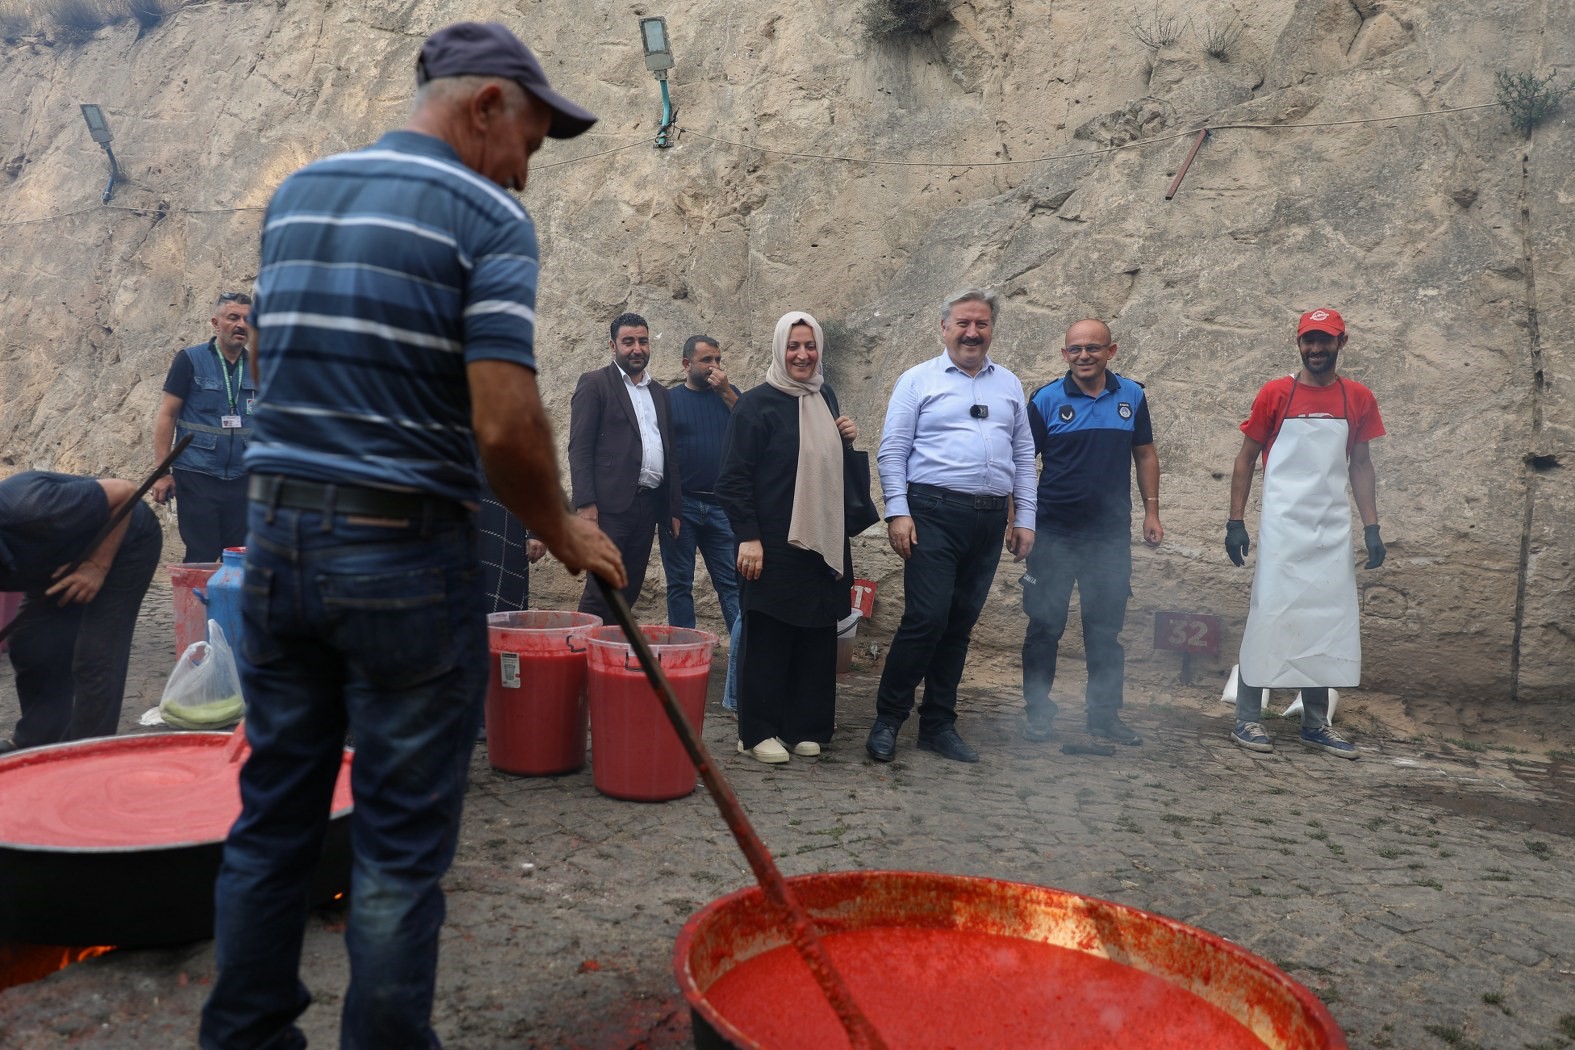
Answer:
(788, 684)
(210, 512)
(946, 580)
(71, 660)
(632, 532)
(1101, 567)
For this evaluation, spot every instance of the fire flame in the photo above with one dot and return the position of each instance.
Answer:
(23, 963)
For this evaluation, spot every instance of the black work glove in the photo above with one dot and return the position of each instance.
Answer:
(1237, 542)
(1375, 547)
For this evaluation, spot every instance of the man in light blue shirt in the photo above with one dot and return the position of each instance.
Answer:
(955, 456)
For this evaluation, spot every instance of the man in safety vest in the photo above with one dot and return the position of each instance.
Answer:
(208, 395)
(1303, 627)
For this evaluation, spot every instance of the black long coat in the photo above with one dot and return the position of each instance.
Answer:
(755, 487)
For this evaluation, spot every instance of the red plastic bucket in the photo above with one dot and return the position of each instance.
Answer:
(191, 607)
(536, 691)
(950, 960)
(635, 752)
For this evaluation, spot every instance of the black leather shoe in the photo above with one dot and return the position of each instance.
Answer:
(1039, 729)
(882, 742)
(948, 744)
(1116, 731)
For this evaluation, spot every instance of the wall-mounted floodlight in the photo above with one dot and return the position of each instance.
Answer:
(98, 127)
(659, 59)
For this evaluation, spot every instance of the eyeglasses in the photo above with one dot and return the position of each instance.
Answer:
(1084, 348)
(235, 297)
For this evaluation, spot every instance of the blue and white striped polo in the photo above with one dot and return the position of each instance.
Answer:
(385, 271)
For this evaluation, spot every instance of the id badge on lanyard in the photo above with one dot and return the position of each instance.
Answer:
(233, 421)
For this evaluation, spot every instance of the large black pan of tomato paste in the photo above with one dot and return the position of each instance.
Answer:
(117, 840)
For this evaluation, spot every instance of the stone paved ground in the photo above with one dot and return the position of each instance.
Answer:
(1425, 892)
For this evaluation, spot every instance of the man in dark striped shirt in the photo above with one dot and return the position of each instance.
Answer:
(395, 313)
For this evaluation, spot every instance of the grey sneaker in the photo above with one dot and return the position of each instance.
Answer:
(1251, 736)
(1325, 739)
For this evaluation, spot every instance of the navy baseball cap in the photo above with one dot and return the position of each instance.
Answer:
(488, 49)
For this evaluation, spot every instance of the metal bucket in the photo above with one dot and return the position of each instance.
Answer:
(925, 1004)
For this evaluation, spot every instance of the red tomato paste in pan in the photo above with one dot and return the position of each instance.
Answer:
(927, 989)
(127, 792)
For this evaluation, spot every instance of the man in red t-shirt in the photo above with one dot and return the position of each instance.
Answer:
(1303, 628)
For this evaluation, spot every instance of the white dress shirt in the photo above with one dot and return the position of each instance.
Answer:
(651, 459)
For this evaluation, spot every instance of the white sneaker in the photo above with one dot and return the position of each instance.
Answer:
(806, 749)
(768, 750)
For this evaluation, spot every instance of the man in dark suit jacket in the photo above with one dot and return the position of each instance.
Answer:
(622, 460)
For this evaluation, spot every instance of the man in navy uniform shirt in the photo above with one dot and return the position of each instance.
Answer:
(1089, 428)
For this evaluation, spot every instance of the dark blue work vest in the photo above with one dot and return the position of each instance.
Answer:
(214, 450)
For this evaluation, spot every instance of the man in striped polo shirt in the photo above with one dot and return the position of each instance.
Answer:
(395, 312)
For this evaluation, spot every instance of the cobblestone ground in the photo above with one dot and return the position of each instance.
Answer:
(1425, 892)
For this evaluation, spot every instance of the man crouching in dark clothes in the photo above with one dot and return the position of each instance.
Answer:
(72, 641)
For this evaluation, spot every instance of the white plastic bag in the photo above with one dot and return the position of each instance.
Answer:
(1234, 683)
(1296, 705)
(204, 690)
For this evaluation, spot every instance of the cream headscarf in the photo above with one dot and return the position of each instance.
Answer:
(817, 523)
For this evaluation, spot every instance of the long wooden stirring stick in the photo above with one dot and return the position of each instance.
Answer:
(861, 1033)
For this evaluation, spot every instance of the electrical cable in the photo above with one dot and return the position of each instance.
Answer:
(1079, 153)
(1155, 140)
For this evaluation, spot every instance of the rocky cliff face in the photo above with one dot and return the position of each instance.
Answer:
(1022, 145)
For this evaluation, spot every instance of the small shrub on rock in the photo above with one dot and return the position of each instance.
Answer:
(890, 18)
(1220, 38)
(78, 19)
(1529, 98)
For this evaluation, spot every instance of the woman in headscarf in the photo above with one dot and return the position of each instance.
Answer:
(781, 486)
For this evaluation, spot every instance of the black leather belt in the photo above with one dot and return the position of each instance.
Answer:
(703, 497)
(961, 499)
(297, 494)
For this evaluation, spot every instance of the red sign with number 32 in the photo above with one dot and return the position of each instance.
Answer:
(1185, 632)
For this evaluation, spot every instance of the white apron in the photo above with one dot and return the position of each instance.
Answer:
(1303, 628)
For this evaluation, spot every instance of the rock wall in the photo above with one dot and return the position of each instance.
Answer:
(1022, 145)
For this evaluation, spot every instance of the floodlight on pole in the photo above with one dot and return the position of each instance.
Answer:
(98, 127)
(659, 59)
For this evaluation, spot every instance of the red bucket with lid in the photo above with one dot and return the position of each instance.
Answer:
(536, 704)
(635, 752)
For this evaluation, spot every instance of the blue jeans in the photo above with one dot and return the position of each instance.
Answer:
(1101, 567)
(704, 527)
(730, 688)
(379, 631)
(1315, 705)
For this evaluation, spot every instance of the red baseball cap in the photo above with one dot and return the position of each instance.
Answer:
(1322, 320)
